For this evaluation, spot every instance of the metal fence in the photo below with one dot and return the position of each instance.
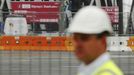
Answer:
(37, 63)
(53, 63)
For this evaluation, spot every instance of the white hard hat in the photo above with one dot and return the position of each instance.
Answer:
(90, 20)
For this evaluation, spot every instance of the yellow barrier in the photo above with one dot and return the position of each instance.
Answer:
(130, 43)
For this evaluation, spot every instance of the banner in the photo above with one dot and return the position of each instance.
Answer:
(113, 12)
(38, 11)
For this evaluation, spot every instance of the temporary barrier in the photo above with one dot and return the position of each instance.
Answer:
(25, 42)
(1, 46)
(57, 43)
(36, 43)
(114, 43)
(39, 43)
(123, 44)
(130, 43)
(7, 42)
(69, 45)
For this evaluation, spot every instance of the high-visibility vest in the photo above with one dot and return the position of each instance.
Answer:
(108, 68)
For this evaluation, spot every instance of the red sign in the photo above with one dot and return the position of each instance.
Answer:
(38, 11)
(113, 12)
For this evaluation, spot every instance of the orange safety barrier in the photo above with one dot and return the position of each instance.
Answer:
(57, 43)
(69, 44)
(8, 42)
(36, 43)
(39, 43)
(25, 42)
(130, 43)
(1, 47)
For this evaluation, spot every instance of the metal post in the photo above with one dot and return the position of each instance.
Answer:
(120, 3)
(61, 22)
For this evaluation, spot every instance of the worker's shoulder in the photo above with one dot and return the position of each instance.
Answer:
(108, 68)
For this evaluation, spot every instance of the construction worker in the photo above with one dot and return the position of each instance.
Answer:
(89, 29)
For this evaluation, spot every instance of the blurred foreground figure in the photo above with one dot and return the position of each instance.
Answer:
(90, 27)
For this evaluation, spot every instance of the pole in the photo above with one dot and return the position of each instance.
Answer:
(120, 4)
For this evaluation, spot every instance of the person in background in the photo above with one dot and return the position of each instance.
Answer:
(90, 27)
